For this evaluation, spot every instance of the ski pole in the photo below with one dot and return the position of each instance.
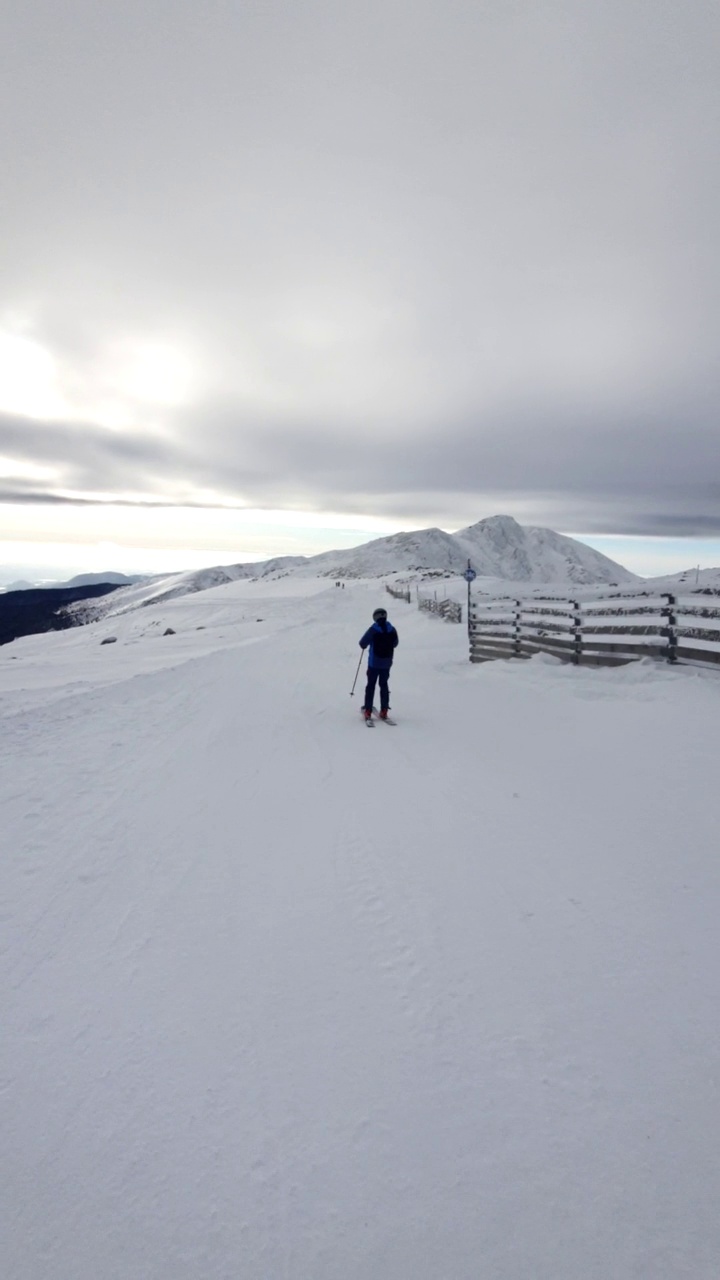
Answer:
(357, 673)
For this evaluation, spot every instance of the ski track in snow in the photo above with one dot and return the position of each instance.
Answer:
(282, 1000)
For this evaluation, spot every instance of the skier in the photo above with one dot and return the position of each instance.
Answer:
(382, 639)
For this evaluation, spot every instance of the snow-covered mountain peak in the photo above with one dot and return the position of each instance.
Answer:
(499, 547)
(498, 529)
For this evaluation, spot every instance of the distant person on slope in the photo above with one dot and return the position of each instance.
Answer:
(382, 639)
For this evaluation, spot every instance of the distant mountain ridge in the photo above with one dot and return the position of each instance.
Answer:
(95, 579)
(80, 580)
(497, 547)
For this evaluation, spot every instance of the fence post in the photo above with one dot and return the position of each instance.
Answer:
(577, 631)
(518, 624)
(669, 613)
(469, 576)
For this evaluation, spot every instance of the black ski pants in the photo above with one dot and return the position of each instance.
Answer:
(377, 676)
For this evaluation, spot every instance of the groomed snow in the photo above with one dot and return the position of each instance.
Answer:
(288, 998)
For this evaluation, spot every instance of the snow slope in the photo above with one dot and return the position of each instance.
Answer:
(285, 997)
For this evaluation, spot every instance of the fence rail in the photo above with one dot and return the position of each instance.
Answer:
(399, 593)
(642, 625)
(450, 610)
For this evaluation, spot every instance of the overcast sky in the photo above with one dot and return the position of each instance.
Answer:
(280, 276)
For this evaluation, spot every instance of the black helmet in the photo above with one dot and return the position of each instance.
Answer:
(379, 615)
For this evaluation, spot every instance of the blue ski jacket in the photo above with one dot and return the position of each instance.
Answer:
(382, 640)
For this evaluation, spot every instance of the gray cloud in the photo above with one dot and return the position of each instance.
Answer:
(429, 260)
(88, 457)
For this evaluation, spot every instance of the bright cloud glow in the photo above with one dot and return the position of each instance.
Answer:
(113, 388)
(24, 470)
(29, 378)
(148, 372)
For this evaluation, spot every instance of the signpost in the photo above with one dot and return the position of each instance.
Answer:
(469, 576)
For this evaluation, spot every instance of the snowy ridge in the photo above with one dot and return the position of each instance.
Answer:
(499, 548)
(687, 581)
(156, 589)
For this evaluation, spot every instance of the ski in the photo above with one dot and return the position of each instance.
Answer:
(385, 719)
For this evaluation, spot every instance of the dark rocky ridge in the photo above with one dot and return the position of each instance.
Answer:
(25, 613)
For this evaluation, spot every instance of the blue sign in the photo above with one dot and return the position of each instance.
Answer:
(469, 574)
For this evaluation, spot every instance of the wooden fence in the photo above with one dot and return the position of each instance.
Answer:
(605, 630)
(450, 610)
(400, 593)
